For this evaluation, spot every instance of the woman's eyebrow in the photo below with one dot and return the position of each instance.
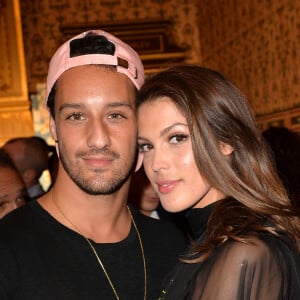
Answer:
(169, 128)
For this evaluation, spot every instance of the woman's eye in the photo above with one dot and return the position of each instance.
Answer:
(145, 148)
(177, 138)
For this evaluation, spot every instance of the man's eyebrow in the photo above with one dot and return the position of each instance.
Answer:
(120, 104)
(80, 106)
(3, 196)
(70, 105)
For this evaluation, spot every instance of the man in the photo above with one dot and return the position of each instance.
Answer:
(142, 195)
(12, 188)
(80, 240)
(30, 155)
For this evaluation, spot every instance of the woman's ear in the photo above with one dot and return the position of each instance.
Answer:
(226, 149)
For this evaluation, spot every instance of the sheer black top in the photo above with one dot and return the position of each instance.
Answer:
(268, 268)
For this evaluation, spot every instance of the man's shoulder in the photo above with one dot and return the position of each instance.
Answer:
(18, 220)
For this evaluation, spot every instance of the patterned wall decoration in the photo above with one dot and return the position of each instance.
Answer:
(15, 116)
(256, 43)
(42, 20)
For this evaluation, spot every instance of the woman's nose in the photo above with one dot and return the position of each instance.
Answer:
(159, 160)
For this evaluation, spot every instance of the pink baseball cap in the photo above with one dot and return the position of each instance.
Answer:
(126, 60)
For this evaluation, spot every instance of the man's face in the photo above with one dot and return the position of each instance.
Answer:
(95, 126)
(12, 190)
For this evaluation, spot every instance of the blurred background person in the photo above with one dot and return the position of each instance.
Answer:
(53, 161)
(142, 195)
(285, 145)
(12, 188)
(30, 155)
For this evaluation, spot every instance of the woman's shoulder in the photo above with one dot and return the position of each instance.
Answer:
(260, 249)
(245, 269)
(253, 250)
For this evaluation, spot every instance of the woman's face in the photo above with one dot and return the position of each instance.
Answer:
(169, 162)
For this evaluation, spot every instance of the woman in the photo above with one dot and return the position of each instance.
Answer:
(203, 152)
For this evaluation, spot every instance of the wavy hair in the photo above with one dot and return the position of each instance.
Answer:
(216, 111)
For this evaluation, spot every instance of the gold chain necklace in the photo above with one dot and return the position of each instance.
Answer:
(97, 256)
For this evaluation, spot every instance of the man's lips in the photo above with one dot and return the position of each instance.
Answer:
(97, 162)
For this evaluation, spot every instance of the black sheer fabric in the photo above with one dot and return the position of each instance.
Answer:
(268, 268)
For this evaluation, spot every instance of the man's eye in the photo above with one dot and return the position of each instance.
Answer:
(177, 138)
(75, 117)
(20, 200)
(116, 116)
(145, 148)
(3, 205)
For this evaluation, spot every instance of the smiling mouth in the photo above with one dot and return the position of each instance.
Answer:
(167, 187)
(98, 162)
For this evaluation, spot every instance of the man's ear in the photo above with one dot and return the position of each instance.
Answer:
(54, 134)
(226, 149)
(53, 129)
(139, 161)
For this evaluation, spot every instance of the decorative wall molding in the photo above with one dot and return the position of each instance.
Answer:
(44, 19)
(257, 45)
(152, 39)
(289, 119)
(15, 116)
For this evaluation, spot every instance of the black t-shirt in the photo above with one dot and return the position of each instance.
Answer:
(40, 259)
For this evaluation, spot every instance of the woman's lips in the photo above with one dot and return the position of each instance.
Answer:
(167, 186)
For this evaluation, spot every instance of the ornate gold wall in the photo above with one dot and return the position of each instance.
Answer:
(42, 20)
(256, 43)
(15, 115)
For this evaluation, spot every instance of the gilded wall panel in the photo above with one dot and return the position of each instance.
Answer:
(15, 116)
(42, 20)
(256, 43)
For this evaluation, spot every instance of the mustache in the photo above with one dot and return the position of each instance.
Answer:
(99, 152)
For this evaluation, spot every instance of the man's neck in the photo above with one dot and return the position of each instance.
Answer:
(102, 218)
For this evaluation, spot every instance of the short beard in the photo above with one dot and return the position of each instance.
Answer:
(103, 186)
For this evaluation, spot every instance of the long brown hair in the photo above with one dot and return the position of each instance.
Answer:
(216, 111)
